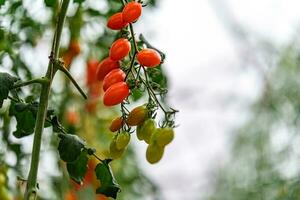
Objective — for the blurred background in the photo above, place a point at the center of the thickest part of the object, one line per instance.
(233, 72)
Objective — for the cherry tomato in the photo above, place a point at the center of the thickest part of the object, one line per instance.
(115, 94)
(146, 130)
(137, 116)
(70, 195)
(163, 136)
(68, 58)
(105, 67)
(132, 11)
(154, 153)
(115, 76)
(91, 71)
(116, 124)
(115, 22)
(122, 140)
(75, 47)
(114, 151)
(119, 49)
(149, 58)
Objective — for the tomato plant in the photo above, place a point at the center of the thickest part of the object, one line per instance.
(126, 73)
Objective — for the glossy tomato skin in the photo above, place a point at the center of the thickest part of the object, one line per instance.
(105, 66)
(119, 49)
(116, 124)
(132, 11)
(115, 76)
(115, 22)
(115, 94)
(149, 58)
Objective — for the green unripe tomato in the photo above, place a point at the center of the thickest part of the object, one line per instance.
(146, 130)
(4, 194)
(154, 153)
(2, 180)
(114, 151)
(122, 140)
(163, 136)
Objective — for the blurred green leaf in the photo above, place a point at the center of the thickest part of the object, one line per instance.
(6, 83)
(78, 168)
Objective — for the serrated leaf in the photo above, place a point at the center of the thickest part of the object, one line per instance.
(6, 83)
(78, 168)
(25, 119)
(70, 147)
(109, 186)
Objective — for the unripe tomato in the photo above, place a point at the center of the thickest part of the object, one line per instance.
(145, 131)
(149, 58)
(132, 11)
(91, 71)
(163, 136)
(116, 124)
(115, 76)
(122, 140)
(114, 151)
(137, 116)
(75, 47)
(154, 153)
(119, 49)
(115, 94)
(115, 22)
(2, 180)
(105, 67)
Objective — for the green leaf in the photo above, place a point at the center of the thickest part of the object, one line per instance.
(79, 1)
(2, 2)
(6, 83)
(70, 147)
(78, 168)
(50, 3)
(109, 186)
(25, 119)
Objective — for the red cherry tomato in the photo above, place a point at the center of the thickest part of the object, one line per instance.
(149, 58)
(132, 11)
(115, 94)
(115, 22)
(119, 49)
(105, 67)
(91, 71)
(115, 76)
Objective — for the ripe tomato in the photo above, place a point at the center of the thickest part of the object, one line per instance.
(115, 94)
(122, 140)
(154, 153)
(132, 11)
(115, 22)
(115, 76)
(91, 71)
(119, 49)
(149, 58)
(68, 58)
(75, 47)
(116, 124)
(137, 116)
(105, 67)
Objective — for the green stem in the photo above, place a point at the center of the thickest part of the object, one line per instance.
(38, 80)
(31, 187)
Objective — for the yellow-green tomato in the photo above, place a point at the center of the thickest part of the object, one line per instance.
(154, 153)
(122, 140)
(163, 136)
(114, 151)
(2, 180)
(146, 130)
(4, 194)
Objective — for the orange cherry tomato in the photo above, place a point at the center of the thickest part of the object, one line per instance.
(119, 49)
(91, 71)
(105, 67)
(115, 22)
(68, 58)
(116, 124)
(75, 47)
(72, 117)
(131, 12)
(115, 76)
(70, 195)
(115, 94)
(149, 58)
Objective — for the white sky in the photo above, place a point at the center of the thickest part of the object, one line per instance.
(209, 85)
